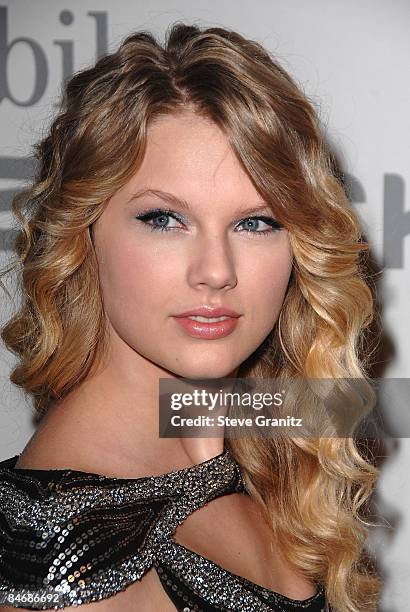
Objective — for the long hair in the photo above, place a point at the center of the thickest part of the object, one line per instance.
(313, 492)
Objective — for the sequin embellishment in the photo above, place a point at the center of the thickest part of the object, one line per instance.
(69, 537)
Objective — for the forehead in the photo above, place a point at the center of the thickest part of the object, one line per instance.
(191, 156)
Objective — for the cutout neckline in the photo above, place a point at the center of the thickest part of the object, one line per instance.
(9, 464)
(259, 587)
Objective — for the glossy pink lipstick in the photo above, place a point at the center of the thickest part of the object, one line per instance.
(195, 324)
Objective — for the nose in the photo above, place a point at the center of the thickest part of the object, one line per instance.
(212, 263)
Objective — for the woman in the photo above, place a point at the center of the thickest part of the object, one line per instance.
(189, 177)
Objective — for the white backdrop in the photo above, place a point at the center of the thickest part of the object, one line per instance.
(351, 57)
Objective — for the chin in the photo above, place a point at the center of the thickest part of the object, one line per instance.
(205, 371)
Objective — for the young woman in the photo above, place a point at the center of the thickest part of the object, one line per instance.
(190, 179)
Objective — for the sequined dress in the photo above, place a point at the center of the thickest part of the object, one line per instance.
(69, 537)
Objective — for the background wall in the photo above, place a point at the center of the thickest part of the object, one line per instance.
(350, 57)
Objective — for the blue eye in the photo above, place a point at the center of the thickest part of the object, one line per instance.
(159, 215)
(158, 219)
(274, 225)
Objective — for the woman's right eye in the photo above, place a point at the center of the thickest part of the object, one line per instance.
(158, 219)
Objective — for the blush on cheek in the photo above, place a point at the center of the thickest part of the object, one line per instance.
(141, 279)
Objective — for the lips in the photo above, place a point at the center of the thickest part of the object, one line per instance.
(209, 311)
(208, 330)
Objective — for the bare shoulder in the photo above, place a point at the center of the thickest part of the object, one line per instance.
(62, 441)
(70, 437)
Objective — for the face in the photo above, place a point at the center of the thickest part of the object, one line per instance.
(191, 241)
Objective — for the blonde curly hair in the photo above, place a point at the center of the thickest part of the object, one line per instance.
(314, 492)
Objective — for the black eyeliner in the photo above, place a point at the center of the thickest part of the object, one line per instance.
(269, 220)
(152, 213)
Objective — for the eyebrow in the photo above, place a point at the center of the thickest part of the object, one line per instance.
(173, 199)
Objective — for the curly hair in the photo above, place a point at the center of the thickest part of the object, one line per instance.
(314, 492)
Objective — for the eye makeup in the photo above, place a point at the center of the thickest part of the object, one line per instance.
(150, 215)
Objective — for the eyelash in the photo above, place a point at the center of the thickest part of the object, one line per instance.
(158, 212)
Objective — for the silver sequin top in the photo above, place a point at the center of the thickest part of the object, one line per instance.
(69, 537)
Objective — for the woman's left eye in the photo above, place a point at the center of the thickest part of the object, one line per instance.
(251, 222)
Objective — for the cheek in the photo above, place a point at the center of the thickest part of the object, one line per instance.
(267, 280)
(135, 279)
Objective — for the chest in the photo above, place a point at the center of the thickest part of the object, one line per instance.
(231, 532)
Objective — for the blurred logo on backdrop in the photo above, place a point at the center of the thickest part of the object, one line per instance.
(19, 170)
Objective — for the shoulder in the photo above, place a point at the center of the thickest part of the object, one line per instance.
(66, 439)
(61, 441)
(69, 437)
